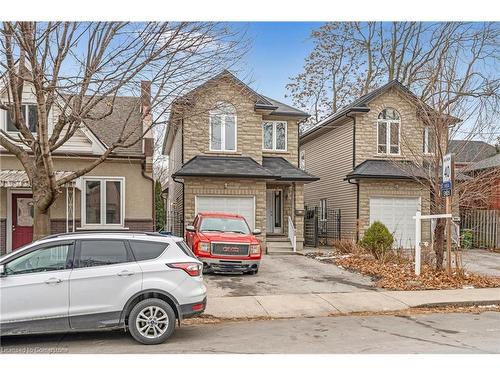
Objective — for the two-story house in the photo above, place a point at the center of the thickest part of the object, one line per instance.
(117, 194)
(233, 150)
(364, 155)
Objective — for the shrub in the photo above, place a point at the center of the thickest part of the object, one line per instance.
(467, 239)
(377, 240)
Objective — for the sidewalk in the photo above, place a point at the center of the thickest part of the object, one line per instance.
(315, 305)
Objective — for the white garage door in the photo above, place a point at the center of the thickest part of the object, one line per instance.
(244, 206)
(397, 214)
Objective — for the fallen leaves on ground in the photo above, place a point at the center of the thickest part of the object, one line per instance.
(398, 273)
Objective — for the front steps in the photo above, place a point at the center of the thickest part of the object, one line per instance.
(278, 245)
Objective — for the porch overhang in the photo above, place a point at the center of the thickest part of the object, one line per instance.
(14, 178)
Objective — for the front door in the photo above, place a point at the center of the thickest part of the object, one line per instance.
(274, 211)
(22, 220)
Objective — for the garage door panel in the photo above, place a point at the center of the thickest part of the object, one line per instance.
(397, 214)
(244, 206)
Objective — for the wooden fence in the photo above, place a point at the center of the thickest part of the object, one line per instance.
(484, 225)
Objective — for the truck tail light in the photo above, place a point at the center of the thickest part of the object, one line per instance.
(203, 247)
(254, 249)
(192, 269)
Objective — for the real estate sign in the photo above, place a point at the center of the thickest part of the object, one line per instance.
(448, 176)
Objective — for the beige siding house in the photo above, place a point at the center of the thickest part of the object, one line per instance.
(367, 156)
(117, 194)
(231, 149)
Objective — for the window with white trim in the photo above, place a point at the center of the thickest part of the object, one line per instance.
(223, 128)
(388, 132)
(274, 135)
(302, 160)
(322, 209)
(103, 202)
(30, 115)
(428, 141)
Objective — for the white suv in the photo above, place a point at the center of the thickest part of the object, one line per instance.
(101, 280)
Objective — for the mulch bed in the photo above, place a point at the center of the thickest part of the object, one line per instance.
(397, 273)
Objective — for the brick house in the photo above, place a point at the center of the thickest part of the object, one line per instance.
(366, 169)
(231, 149)
(117, 194)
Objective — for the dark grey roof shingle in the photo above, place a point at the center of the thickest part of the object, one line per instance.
(273, 168)
(467, 151)
(491, 162)
(285, 109)
(285, 170)
(386, 169)
(223, 166)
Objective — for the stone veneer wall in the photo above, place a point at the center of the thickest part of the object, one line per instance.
(221, 186)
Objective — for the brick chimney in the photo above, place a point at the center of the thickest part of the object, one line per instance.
(147, 119)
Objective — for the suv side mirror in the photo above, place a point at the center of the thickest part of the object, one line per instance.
(190, 228)
(2, 271)
(256, 231)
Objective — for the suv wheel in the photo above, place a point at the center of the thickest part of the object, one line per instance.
(151, 321)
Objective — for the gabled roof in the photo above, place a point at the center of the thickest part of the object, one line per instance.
(262, 102)
(360, 105)
(468, 151)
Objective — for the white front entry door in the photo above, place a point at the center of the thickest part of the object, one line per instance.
(274, 211)
(244, 206)
(396, 213)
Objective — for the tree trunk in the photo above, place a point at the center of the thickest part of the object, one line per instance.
(41, 223)
(439, 243)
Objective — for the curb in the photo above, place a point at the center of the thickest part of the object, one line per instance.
(459, 304)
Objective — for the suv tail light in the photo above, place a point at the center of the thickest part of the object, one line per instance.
(192, 269)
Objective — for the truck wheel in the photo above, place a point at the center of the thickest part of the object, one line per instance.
(151, 321)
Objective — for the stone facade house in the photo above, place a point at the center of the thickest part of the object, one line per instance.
(117, 194)
(364, 155)
(233, 150)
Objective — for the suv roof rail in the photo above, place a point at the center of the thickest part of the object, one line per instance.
(104, 231)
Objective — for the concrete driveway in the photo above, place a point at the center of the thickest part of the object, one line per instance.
(288, 274)
(481, 261)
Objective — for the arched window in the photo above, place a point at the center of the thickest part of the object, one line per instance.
(388, 132)
(223, 128)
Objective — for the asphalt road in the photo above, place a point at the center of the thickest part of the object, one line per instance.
(433, 333)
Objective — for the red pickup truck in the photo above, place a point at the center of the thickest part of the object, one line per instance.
(224, 243)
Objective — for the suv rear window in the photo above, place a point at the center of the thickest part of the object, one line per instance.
(143, 250)
(185, 249)
(99, 253)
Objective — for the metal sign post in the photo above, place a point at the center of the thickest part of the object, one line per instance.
(448, 180)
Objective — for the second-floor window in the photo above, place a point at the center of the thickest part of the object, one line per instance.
(30, 115)
(388, 131)
(274, 135)
(302, 161)
(223, 128)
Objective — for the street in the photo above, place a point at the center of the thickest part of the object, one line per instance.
(425, 333)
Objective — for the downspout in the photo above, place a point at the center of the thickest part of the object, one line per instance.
(353, 167)
(153, 205)
(180, 182)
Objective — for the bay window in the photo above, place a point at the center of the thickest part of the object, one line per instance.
(274, 135)
(388, 132)
(103, 202)
(223, 128)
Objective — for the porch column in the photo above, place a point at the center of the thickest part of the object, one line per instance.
(298, 197)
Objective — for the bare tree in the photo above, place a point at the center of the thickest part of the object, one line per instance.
(77, 70)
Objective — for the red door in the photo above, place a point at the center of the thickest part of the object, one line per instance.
(22, 220)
